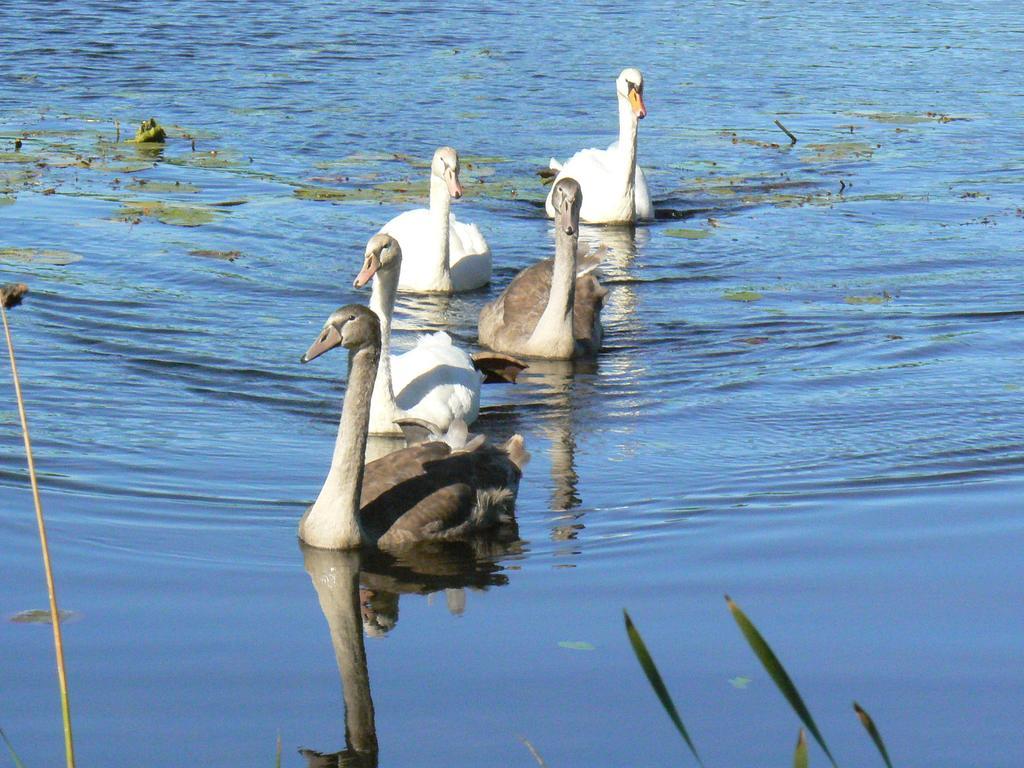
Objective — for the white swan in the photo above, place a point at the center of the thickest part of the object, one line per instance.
(614, 186)
(442, 255)
(435, 381)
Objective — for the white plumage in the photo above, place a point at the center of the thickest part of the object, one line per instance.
(613, 184)
(440, 254)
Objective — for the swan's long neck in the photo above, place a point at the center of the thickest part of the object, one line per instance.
(440, 205)
(333, 520)
(383, 408)
(627, 143)
(335, 577)
(554, 329)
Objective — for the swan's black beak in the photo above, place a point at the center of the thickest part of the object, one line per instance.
(329, 338)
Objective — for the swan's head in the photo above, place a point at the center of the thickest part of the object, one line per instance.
(445, 166)
(383, 254)
(630, 86)
(352, 326)
(567, 197)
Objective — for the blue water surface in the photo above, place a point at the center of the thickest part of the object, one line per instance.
(810, 396)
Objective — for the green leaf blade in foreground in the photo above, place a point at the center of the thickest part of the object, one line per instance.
(777, 673)
(869, 726)
(10, 748)
(800, 754)
(654, 678)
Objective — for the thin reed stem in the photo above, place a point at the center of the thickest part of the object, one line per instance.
(58, 643)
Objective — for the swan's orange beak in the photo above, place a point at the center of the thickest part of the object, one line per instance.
(329, 338)
(636, 101)
(370, 267)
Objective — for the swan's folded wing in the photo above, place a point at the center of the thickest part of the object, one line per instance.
(642, 196)
(430, 492)
(519, 307)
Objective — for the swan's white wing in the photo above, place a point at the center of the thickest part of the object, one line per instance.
(596, 171)
(436, 381)
(469, 256)
(644, 204)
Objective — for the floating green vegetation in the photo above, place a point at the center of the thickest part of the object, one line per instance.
(407, 191)
(118, 167)
(166, 213)
(742, 296)
(13, 181)
(330, 193)
(41, 616)
(7, 199)
(17, 157)
(839, 151)
(212, 159)
(150, 132)
(737, 139)
(161, 187)
(882, 299)
(211, 254)
(688, 234)
(38, 256)
(910, 118)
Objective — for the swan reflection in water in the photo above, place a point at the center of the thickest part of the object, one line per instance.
(359, 591)
(552, 400)
(620, 244)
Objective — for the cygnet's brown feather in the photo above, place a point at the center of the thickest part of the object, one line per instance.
(511, 319)
(430, 492)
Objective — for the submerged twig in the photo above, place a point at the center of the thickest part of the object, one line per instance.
(785, 130)
(10, 295)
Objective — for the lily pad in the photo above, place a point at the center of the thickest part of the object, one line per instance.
(742, 296)
(329, 193)
(42, 616)
(689, 234)
(211, 159)
(576, 645)
(160, 187)
(38, 256)
(839, 151)
(128, 166)
(869, 299)
(17, 157)
(176, 215)
(904, 118)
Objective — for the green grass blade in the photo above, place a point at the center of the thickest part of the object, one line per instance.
(777, 673)
(654, 678)
(277, 762)
(800, 755)
(10, 748)
(869, 726)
